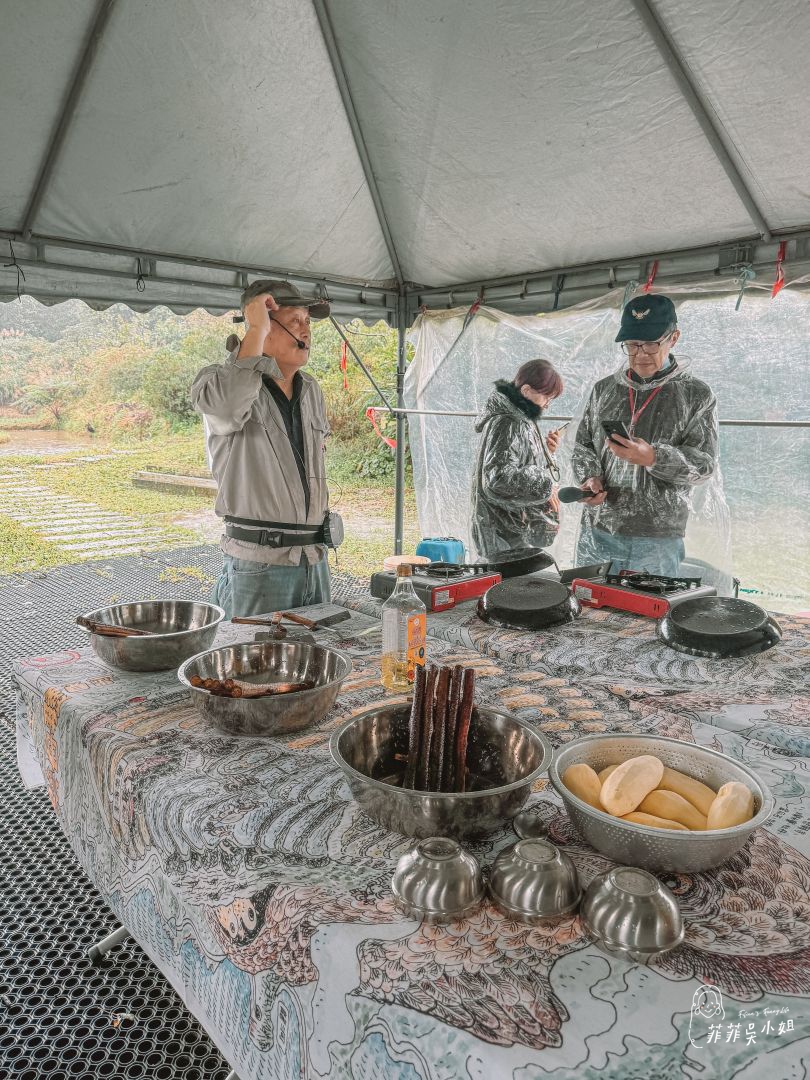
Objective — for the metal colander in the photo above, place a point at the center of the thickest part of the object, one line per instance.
(641, 845)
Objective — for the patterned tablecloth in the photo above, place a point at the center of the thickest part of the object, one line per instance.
(604, 645)
(249, 876)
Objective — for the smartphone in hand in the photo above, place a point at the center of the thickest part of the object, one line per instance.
(615, 427)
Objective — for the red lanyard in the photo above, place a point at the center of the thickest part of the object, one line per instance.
(631, 394)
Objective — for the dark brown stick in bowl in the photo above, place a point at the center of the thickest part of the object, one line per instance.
(463, 729)
(449, 762)
(415, 726)
(439, 725)
(110, 629)
(426, 741)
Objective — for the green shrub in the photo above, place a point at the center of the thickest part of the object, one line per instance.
(167, 385)
(376, 464)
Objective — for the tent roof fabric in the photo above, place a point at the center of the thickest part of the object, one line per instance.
(500, 139)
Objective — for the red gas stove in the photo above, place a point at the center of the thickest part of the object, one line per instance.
(440, 586)
(638, 592)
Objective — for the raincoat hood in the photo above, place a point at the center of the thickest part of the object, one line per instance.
(507, 400)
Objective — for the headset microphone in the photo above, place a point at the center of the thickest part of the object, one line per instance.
(301, 344)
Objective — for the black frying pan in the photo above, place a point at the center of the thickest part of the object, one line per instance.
(529, 603)
(516, 562)
(718, 627)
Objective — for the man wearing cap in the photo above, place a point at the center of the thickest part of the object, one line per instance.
(642, 485)
(267, 430)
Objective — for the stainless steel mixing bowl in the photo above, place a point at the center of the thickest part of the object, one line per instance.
(530, 825)
(630, 913)
(641, 845)
(504, 756)
(268, 662)
(533, 881)
(177, 629)
(437, 881)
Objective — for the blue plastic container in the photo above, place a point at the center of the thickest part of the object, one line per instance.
(441, 549)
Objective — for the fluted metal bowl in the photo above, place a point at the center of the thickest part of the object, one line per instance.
(437, 881)
(643, 845)
(267, 662)
(504, 756)
(533, 881)
(630, 913)
(177, 629)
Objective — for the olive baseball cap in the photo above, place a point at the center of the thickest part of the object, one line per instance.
(286, 294)
(647, 318)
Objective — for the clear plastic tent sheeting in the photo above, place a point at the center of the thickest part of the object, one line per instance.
(751, 521)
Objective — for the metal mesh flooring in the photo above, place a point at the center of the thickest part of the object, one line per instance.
(38, 610)
(60, 1015)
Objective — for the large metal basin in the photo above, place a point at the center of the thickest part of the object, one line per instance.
(267, 662)
(504, 755)
(177, 629)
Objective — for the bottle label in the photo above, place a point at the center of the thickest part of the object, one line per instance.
(417, 636)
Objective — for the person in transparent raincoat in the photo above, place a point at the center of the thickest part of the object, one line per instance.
(514, 502)
(642, 485)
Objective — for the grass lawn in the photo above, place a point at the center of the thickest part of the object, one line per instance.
(367, 505)
(23, 549)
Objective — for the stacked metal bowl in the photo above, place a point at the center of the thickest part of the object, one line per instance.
(627, 911)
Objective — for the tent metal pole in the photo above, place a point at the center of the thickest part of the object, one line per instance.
(100, 19)
(631, 262)
(374, 288)
(158, 279)
(700, 109)
(526, 279)
(556, 419)
(332, 49)
(401, 415)
(360, 363)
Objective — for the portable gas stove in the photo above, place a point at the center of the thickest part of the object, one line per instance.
(440, 585)
(638, 592)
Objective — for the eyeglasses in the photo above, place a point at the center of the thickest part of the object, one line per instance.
(649, 348)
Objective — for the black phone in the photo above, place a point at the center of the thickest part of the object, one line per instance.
(615, 427)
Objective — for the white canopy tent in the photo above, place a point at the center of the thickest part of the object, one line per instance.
(426, 152)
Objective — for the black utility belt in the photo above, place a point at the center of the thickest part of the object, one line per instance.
(280, 534)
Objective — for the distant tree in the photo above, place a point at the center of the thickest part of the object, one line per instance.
(52, 398)
(11, 382)
(114, 373)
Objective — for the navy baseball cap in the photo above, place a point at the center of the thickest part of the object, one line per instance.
(647, 318)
